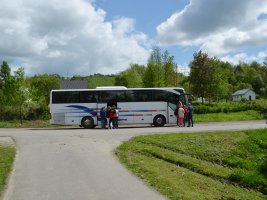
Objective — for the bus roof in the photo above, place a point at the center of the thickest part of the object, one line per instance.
(179, 89)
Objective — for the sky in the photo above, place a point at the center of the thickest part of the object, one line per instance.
(83, 37)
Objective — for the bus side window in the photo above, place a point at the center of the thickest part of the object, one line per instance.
(160, 95)
(88, 97)
(129, 96)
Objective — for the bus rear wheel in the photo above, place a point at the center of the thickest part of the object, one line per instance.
(87, 122)
(159, 120)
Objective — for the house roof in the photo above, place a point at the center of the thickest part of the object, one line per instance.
(73, 84)
(241, 92)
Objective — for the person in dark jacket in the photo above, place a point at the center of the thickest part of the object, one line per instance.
(190, 115)
(103, 117)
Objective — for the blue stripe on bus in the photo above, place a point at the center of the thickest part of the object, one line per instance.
(94, 111)
(85, 109)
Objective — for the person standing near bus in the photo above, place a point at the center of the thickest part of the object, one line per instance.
(108, 116)
(185, 114)
(112, 116)
(116, 119)
(180, 116)
(190, 115)
(103, 117)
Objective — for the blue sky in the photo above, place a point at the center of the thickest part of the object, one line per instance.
(148, 14)
(82, 37)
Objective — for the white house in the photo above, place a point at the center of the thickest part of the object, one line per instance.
(247, 94)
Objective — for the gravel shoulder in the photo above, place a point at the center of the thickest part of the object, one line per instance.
(6, 141)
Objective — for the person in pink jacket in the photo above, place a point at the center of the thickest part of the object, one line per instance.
(181, 116)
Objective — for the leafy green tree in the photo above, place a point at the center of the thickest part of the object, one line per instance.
(40, 87)
(5, 73)
(256, 74)
(169, 70)
(13, 90)
(132, 77)
(202, 75)
(101, 80)
(149, 79)
(264, 74)
(7, 84)
(223, 73)
(251, 76)
(78, 77)
(160, 71)
(21, 93)
(154, 74)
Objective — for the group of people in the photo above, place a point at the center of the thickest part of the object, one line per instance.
(184, 115)
(109, 117)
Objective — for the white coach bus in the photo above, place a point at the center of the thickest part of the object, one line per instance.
(136, 105)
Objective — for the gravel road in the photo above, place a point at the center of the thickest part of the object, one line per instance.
(79, 164)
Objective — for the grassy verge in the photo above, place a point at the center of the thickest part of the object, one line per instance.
(217, 165)
(25, 124)
(7, 156)
(222, 117)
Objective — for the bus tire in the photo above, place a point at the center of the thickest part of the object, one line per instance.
(159, 120)
(87, 122)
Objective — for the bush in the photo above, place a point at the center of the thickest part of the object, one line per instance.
(8, 113)
(263, 111)
(29, 111)
(226, 107)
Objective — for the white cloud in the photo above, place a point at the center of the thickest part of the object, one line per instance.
(218, 27)
(70, 37)
(243, 57)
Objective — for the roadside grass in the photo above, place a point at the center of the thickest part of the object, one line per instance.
(25, 124)
(223, 117)
(213, 165)
(7, 156)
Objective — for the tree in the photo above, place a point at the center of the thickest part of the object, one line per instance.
(40, 87)
(5, 73)
(21, 93)
(202, 75)
(223, 73)
(154, 76)
(160, 71)
(132, 77)
(149, 79)
(13, 90)
(169, 70)
(6, 84)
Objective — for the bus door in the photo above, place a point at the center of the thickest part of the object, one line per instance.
(186, 98)
(172, 119)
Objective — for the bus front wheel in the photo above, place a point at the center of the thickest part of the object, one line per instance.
(87, 122)
(159, 120)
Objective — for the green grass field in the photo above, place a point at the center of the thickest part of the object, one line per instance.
(7, 156)
(25, 124)
(223, 117)
(214, 165)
